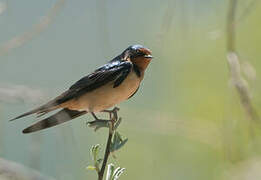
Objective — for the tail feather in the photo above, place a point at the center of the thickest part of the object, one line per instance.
(58, 118)
(50, 106)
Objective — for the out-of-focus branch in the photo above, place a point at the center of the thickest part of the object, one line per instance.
(167, 20)
(13, 171)
(234, 63)
(3, 7)
(102, 26)
(231, 25)
(241, 85)
(36, 29)
(12, 93)
(248, 9)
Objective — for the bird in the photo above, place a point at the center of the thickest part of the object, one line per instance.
(114, 82)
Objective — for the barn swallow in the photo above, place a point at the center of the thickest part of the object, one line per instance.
(112, 83)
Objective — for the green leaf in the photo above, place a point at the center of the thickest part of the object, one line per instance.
(121, 144)
(94, 154)
(110, 172)
(92, 168)
(99, 161)
(117, 173)
(117, 142)
(95, 151)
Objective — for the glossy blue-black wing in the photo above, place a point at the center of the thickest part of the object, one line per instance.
(116, 71)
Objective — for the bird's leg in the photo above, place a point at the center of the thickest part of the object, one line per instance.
(95, 117)
(98, 123)
(114, 119)
(113, 112)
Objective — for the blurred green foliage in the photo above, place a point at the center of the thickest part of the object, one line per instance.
(186, 121)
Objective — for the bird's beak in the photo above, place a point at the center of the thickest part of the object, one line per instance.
(148, 56)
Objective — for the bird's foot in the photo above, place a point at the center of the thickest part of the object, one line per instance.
(113, 113)
(99, 123)
(112, 123)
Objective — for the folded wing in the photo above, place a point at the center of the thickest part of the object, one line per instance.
(116, 70)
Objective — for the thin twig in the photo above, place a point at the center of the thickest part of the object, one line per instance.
(111, 124)
(106, 155)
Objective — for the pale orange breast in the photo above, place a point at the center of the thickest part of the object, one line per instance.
(106, 96)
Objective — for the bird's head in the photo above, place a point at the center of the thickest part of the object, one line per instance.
(138, 55)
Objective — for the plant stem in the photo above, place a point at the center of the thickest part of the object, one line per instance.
(112, 124)
(231, 25)
(107, 150)
(234, 63)
(107, 153)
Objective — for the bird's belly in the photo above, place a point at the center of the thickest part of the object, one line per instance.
(106, 96)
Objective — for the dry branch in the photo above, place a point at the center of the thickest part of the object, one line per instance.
(234, 63)
(19, 40)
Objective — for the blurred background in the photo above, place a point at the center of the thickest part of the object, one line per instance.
(186, 122)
